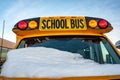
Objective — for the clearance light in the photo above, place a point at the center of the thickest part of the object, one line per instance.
(92, 23)
(32, 24)
(102, 24)
(22, 25)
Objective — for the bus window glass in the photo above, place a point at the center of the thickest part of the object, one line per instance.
(90, 47)
(22, 44)
(105, 54)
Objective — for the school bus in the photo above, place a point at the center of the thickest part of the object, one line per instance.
(76, 34)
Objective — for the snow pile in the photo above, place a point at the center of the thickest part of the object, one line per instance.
(48, 62)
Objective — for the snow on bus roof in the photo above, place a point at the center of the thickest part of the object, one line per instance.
(48, 62)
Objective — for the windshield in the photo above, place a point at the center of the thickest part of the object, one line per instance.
(90, 47)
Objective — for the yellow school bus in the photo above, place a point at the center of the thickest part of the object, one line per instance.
(76, 34)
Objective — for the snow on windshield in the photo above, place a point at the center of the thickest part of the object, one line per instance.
(48, 62)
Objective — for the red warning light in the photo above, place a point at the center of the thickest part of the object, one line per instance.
(102, 24)
(22, 25)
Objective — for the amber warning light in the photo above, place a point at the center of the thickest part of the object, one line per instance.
(32, 24)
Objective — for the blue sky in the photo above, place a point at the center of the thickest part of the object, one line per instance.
(14, 10)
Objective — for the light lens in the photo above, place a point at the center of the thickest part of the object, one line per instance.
(32, 24)
(22, 25)
(102, 24)
(92, 23)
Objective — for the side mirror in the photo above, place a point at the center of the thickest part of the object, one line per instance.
(117, 44)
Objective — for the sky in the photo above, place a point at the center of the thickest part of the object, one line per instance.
(13, 11)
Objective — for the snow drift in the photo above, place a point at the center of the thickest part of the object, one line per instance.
(48, 62)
